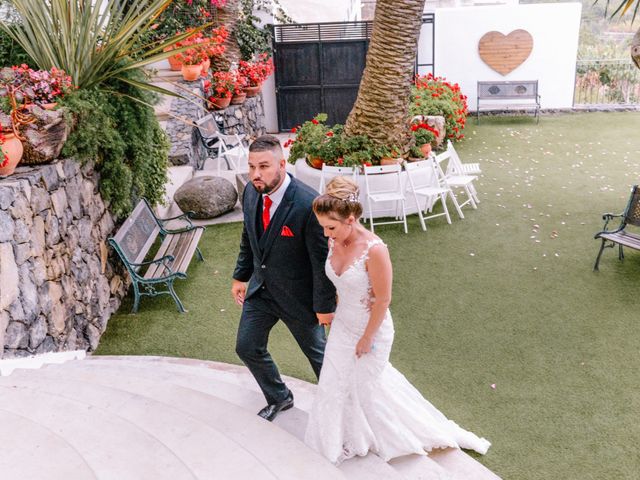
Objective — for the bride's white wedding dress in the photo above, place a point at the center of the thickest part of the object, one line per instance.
(364, 404)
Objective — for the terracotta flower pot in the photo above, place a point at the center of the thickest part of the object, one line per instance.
(220, 103)
(174, 63)
(238, 99)
(252, 91)
(49, 106)
(425, 149)
(390, 161)
(205, 67)
(315, 162)
(191, 72)
(12, 147)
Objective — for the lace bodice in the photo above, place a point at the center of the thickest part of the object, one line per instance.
(355, 296)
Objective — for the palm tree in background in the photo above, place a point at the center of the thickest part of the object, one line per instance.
(382, 107)
(624, 7)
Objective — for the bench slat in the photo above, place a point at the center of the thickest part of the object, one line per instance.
(190, 250)
(158, 270)
(627, 239)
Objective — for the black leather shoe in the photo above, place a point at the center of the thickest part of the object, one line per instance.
(270, 411)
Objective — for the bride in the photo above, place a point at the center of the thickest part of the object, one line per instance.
(362, 403)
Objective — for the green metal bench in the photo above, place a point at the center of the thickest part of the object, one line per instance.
(135, 238)
(620, 236)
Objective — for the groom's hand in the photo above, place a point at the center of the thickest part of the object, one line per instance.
(238, 291)
(325, 318)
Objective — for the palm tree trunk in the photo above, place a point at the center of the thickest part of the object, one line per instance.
(381, 109)
(228, 16)
(635, 49)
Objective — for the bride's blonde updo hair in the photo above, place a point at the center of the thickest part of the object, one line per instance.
(339, 200)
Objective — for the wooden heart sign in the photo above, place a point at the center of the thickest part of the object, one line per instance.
(505, 53)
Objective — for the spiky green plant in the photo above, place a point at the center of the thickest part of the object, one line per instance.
(94, 41)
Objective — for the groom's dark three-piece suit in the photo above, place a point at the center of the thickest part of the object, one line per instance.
(284, 266)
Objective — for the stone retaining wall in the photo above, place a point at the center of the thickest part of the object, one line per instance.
(245, 119)
(57, 290)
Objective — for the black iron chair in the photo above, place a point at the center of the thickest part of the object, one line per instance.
(620, 236)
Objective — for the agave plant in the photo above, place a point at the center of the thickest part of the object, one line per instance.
(94, 41)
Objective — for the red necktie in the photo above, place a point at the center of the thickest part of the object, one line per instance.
(266, 218)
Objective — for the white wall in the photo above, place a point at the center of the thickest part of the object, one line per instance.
(554, 28)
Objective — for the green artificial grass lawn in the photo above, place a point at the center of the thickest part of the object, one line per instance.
(491, 299)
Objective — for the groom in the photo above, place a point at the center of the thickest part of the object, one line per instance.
(282, 256)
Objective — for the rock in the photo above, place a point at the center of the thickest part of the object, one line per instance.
(22, 252)
(207, 197)
(59, 201)
(38, 332)
(16, 336)
(7, 197)
(40, 200)
(51, 292)
(4, 322)
(93, 336)
(6, 226)
(45, 137)
(20, 207)
(38, 237)
(29, 294)
(8, 276)
(57, 319)
(22, 232)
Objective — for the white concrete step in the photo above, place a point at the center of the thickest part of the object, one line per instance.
(27, 446)
(244, 393)
(189, 424)
(457, 464)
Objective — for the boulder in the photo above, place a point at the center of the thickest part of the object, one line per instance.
(206, 196)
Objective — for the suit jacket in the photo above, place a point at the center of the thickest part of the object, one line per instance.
(290, 268)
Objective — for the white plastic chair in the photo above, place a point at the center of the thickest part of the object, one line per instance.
(328, 172)
(229, 147)
(454, 181)
(422, 181)
(394, 192)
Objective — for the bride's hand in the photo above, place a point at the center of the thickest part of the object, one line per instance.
(364, 345)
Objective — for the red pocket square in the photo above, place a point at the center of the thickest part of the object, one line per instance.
(286, 232)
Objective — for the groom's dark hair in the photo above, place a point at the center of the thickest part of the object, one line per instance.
(267, 143)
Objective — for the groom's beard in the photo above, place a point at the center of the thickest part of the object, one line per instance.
(269, 187)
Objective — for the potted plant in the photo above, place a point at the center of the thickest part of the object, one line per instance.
(191, 60)
(309, 141)
(425, 136)
(239, 95)
(10, 152)
(214, 48)
(220, 89)
(256, 73)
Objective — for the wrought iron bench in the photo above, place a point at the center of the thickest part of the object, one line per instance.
(134, 240)
(620, 236)
(508, 95)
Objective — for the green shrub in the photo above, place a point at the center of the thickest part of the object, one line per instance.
(11, 53)
(124, 137)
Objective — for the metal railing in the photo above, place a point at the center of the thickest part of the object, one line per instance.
(607, 82)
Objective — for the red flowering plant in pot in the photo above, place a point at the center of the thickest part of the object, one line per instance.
(219, 90)
(436, 96)
(425, 137)
(255, 73)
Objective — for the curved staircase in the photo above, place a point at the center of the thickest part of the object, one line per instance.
(159, 418)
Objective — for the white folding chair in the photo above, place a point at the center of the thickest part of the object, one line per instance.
(328, 172)
(454, 181)
(389, 189)
(422, 181)
(229, 147)
(459, 168)
(456, 167)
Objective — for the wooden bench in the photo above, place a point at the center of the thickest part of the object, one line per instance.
(508, 95)
(620, 236)
(135, 238)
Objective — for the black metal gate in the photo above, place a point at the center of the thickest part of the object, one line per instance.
(318, 67)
